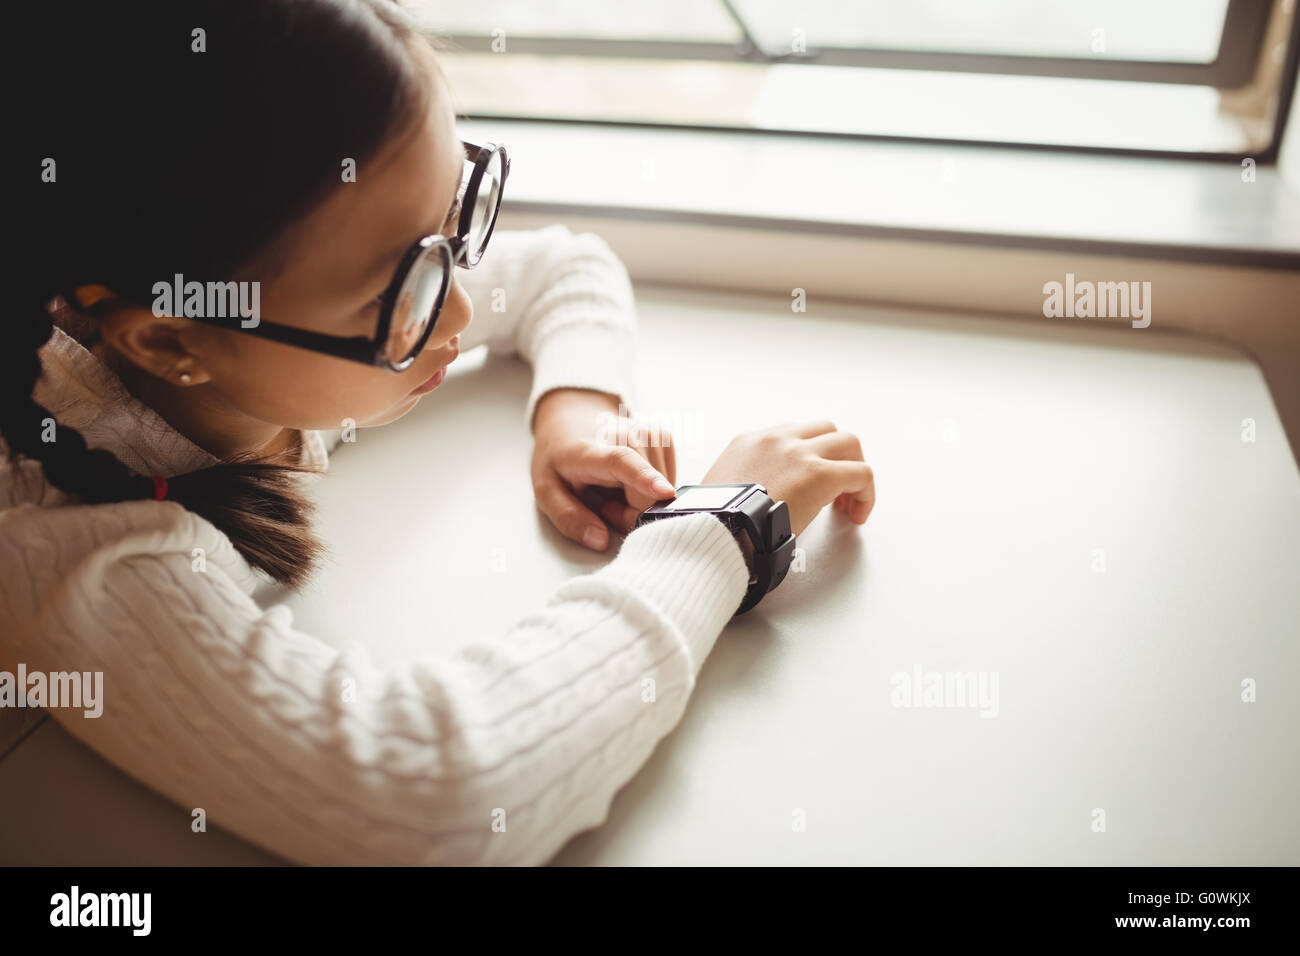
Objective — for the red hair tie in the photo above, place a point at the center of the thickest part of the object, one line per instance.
(159, 487)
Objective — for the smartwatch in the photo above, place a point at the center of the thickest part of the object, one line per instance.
(745, 509)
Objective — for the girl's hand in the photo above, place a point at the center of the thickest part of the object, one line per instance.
(583, 460)
(808, 465)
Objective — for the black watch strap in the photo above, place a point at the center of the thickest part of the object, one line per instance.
(770, 567)
(772, 556)
(748, 510)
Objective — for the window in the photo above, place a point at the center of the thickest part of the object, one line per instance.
(1176, 76)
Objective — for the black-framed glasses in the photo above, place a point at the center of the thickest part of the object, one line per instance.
(414, 298)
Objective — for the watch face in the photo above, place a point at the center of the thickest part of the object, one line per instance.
(705, 496)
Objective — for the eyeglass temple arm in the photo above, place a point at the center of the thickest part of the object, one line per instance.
(359, 348)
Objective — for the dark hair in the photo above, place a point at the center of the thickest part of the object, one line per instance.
(171, 159)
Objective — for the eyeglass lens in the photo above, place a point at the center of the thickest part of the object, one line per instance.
(485, 207)
(425, 282)
(414, 309)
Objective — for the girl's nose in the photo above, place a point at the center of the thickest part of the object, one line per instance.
(457, 312)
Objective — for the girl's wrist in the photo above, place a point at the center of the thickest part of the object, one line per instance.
(566, 400)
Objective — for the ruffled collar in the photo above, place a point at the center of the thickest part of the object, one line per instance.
(82, 392)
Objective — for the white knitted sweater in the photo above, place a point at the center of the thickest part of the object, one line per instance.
(498, 755)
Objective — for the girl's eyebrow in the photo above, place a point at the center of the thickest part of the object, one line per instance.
(388, 262)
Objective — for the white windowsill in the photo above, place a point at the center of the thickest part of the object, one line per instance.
(1197, 211)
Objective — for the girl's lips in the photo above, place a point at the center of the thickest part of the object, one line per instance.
(432, 383)
(435, 379)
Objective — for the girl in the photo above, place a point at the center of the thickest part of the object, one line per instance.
(297, 162)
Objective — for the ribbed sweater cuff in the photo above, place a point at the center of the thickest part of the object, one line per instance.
(691, 568)
(594, 356)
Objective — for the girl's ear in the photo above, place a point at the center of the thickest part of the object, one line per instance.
(155, 343)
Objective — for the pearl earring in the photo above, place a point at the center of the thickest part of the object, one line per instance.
(185, 378)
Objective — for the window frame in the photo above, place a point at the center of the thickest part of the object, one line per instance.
(1226, 68)
(1244, 26)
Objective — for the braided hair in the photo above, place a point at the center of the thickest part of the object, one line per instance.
(281, 90)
